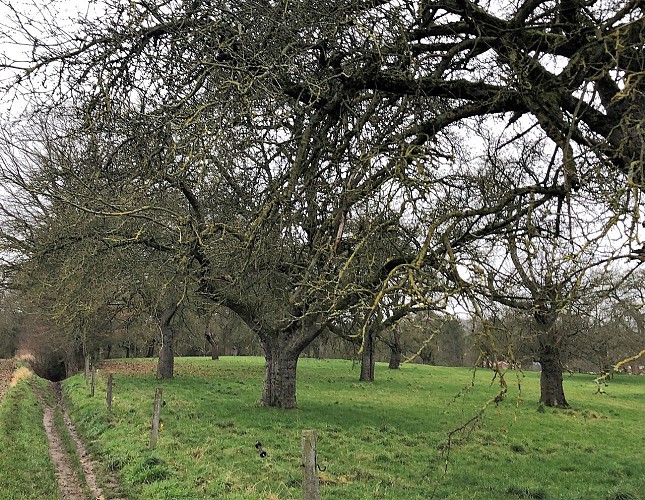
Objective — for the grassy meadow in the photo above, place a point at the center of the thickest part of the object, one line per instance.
(380, 440)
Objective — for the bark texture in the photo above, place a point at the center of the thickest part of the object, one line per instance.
(551, 389)
(166, 363)
(282, 348)
(279, 387)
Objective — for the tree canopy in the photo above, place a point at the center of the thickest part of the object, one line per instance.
(292, 161)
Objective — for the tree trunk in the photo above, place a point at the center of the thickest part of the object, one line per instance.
(213, 344)
(367, 357)
(282, 350)
(426, 354)
(166, 363)
(551, 390)
(395, 357)
(282, 347)
(279, 388)
(395, 353)
(151, 348)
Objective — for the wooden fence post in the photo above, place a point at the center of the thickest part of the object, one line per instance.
(310, 483)
(87, 370)
(156, 414)
(108, 397)
(93, 382)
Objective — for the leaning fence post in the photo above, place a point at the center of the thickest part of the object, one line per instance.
(310, 483)
(108, 397)
(156, 413)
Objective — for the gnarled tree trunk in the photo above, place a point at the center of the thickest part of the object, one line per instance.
(279, 387)
(551, 389)
(166, 363)
(282, 350)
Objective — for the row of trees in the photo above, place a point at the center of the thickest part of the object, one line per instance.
(593, 335)
(309, 166)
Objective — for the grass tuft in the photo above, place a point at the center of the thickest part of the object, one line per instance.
(623, 496)
(526, 493)
(149, 470)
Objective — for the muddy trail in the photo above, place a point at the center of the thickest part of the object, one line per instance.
(75, 472)
(72, 486)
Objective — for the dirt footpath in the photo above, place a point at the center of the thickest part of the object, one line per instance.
(72, 487)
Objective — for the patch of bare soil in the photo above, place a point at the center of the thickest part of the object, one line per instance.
(7, 367)
(129, 368)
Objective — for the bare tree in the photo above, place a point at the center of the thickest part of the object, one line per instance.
(614, 324)
(237, 143)
(547, 276)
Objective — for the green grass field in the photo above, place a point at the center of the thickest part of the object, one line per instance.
(380, 440)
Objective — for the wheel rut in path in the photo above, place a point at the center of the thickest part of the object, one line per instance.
(70, 484)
